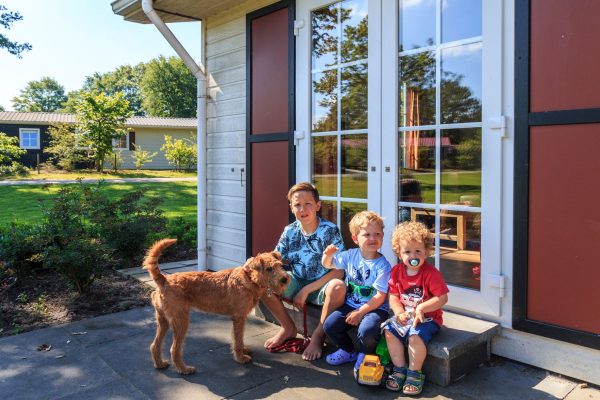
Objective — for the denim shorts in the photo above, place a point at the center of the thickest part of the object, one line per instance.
(424, 330)
(317, 297)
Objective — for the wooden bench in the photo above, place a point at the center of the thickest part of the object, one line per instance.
(462, 345)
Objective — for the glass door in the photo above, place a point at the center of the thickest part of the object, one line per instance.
(335, 93)
(444, 164)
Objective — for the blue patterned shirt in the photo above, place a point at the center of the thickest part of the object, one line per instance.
(304, 252)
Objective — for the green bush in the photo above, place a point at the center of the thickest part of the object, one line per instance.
(126, 225)
(185, 231)
(21, 248)
(80, 260)
(180, 153)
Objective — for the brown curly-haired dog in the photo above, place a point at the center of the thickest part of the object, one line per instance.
(233, 292)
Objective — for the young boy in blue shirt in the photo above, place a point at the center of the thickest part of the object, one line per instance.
(367, 275)
(301, 245)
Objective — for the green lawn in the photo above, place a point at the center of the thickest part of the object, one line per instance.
(22, 202)
(108, 174)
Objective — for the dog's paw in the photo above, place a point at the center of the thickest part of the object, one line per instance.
(186, 370)
(161, 365)
(243, 359)
(247, 351)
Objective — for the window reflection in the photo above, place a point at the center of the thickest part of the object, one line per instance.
(417, 89)
(324, 101)
(417, 24)
(324, 37)
(417, 163)
(461, 167)
(348, 211)
(325, 165)
(461, 19)
(354, 97)
(461, 84)
(354, 166)
(353, 16)
(460, 248)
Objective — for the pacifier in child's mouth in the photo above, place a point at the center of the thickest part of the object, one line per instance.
(414, 262)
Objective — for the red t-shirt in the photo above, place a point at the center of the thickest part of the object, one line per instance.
(412, 290)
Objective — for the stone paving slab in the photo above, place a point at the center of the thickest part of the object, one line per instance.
(112, 360)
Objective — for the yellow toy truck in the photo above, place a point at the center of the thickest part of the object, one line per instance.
(370, 371)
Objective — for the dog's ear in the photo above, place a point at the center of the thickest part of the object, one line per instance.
(276, 254)
(248, 264)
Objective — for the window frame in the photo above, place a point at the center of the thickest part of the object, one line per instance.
(23, 131)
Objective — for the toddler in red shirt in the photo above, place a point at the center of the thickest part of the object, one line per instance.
(417, 292)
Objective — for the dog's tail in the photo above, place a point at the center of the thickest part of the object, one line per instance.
(151, 260)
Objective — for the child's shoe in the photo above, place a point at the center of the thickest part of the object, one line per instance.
(341, 356)
(359, 360)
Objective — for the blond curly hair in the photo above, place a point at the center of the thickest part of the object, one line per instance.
(362, 219)
(409, 231)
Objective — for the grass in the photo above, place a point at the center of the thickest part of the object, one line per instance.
(107, 174)
(23, 202)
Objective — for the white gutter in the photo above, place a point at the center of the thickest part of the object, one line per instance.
(200, 73)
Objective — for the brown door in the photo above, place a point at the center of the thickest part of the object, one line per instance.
(557, 170)
(270, 123)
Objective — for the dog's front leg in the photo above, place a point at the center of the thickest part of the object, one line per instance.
(179, 324)
(237, 346)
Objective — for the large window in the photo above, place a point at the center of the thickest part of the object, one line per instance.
(339, 52)
(440, 125)
(29, 138)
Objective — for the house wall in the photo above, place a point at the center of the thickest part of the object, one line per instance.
(151, 140)
(226, 129)
(30, 158)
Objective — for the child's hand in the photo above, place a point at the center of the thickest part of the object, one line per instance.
(300, 299)
(330, 250)
(419, 317)
(403, 318)
(353, 318)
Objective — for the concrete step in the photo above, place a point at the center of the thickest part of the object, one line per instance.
(461, 346)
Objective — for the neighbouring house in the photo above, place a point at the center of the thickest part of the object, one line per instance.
(147, 132)
(480, 118)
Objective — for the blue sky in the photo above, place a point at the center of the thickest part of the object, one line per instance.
(72, 39)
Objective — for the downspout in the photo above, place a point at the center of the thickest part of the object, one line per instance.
(200, 74)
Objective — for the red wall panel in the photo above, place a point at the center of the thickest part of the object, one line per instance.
(270, 73)
(565, 54)
(564, 226)
(269, 190)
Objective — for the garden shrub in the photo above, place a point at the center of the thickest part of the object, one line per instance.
(126, 225)
(21, 248)
(185, 231)
(180, 153)
(80, 260)
(141, 156)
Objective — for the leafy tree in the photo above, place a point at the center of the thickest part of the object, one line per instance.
(2, 108)
(45, 95)
(101, 119)
(6, 20)
(125, 79)
(9, 154)
(65, 147)
(180, 153)
(168, 88)
(141, 156)
(9, 149)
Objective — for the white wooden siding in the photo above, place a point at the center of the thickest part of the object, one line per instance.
(226, 141)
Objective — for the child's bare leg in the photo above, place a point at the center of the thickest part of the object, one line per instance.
(335, 294)
(417, 351)
(288, 328)
(395, 348)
